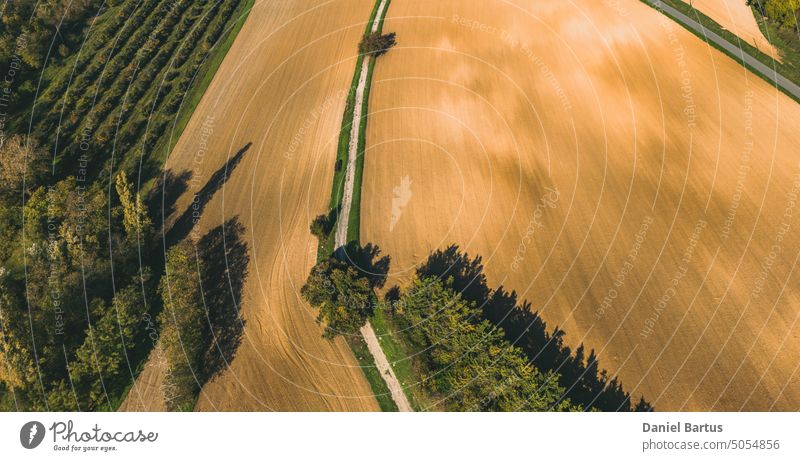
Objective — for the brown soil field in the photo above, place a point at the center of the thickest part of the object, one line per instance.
(281, 87)
(638, 187)
(737, 17)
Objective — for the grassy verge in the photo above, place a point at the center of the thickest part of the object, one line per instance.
(354, 220)
(787, 69)
(347, 122)
(367, 362)
(206, 74)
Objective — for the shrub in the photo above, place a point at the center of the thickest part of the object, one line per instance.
(376, 44)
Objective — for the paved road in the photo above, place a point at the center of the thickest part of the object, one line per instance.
(340, 237)
(754, 63)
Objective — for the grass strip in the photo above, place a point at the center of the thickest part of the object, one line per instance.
(344, 135)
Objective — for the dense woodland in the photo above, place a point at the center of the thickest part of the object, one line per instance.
(90, 95)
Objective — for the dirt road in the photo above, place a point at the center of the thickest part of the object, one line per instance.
(340, 237)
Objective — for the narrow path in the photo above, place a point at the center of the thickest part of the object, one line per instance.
(769, 73)
(382, 363)
(340, 238)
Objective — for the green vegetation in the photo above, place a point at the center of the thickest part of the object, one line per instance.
(376, 44)
(446, 346)
(198, 87)
(466, 363)
(354, 220)
(183, 326)
(56, 319)
(27, 30)
(785, 41)
(400, 357)
(118, 95)
(343, 296)
(782, 13)
(586, 384)
(323, 226)
(79, 258)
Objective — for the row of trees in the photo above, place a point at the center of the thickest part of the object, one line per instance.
(475, 348)
(120, 82)
(72, 331)
(579, 371)
(201, 324)
(183, 326)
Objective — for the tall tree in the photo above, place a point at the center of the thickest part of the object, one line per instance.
(343, 296)
(104, 357)
(135, 218)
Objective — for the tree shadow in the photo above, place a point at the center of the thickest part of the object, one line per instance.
(183, 225)
(585, 383)
(366, 260)
(224, 261)
(165, 194)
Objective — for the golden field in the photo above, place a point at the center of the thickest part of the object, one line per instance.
(637, 186)
(737, 17)
(281, 87)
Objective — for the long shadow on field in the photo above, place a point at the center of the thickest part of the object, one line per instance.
(585, 383)
(224, 260)
(186, 221)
